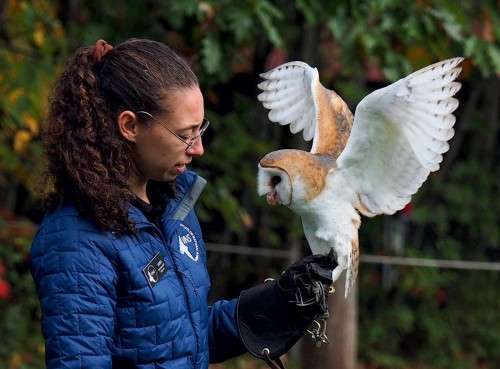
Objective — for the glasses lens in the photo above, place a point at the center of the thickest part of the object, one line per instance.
(204, 126)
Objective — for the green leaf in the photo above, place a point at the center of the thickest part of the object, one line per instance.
(450, 24)
(310, 8)
(470, 46)
(267, 14)
(240, 22)
(494, 53)
(211, 54)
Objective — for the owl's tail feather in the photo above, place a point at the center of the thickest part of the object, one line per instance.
(352, 267)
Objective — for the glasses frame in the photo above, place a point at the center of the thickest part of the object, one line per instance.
(191, 141)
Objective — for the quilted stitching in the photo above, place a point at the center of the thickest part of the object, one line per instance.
(100, 312)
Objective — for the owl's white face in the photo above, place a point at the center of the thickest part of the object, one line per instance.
(275, 184)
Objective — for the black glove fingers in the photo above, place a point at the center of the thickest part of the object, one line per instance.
(327, 261)
(317, 272)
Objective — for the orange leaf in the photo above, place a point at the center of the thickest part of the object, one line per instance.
(16, 360)
(39, 35)
(31, 123)
(418, 56)
(246, 219)
(21, 140)
(58, 31)
(482, 27)
(15, 95)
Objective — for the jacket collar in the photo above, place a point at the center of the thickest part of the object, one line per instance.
(184, 186)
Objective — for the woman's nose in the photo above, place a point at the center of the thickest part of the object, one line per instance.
(196, 148)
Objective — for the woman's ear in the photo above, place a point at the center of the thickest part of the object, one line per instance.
(128, 126)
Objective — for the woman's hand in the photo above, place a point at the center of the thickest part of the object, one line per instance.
(273, 316)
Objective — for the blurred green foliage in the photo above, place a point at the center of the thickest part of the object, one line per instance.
(409, 317)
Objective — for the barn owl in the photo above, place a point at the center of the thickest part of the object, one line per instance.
(369, 164)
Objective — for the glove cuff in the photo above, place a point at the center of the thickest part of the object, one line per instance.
(268, 321)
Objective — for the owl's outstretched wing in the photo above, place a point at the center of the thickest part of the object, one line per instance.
(295, 96)
(399, 135)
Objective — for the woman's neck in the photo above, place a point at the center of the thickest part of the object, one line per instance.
(138, 186)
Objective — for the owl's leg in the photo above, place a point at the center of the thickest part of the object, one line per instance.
(336, 273)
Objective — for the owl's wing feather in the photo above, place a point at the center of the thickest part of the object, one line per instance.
(399, 135)
(293, 94)
(288, 93)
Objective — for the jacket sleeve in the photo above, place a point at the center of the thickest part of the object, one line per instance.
(76, 285)
(224, 340)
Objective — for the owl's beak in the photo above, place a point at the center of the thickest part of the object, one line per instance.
(272, 197)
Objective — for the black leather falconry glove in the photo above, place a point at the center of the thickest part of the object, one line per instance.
(273, 316)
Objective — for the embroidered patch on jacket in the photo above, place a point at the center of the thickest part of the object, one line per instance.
(188, 245)
(155, 270)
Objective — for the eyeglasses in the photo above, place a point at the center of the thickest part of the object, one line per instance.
(189, 141)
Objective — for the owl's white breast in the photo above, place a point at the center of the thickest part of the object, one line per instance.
(329, 219)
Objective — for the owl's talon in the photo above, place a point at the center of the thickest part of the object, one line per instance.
(318, 334)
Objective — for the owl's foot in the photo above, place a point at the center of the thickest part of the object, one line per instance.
(318, 333)
(336, 273)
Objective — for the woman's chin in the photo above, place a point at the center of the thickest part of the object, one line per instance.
(170, 174)
(166, 176)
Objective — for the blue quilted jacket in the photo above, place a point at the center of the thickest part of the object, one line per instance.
(133, 301)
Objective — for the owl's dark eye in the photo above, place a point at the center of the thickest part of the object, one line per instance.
(275, 180)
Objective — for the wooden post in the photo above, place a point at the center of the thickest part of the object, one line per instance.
(341, 352)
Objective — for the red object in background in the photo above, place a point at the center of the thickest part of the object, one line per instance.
(373, 72)
(407, 210)
(5, 290)
(2, 270)
(276, 57)
(441, 297)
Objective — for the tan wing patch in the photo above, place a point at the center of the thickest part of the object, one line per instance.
(334, 121)
(296, 163)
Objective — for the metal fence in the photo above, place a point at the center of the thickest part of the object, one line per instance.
(369, 259)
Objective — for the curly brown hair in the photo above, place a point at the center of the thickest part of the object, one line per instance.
(89, 161)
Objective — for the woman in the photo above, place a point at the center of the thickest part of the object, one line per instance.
(119, 261)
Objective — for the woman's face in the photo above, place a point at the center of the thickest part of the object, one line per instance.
(161, 156)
